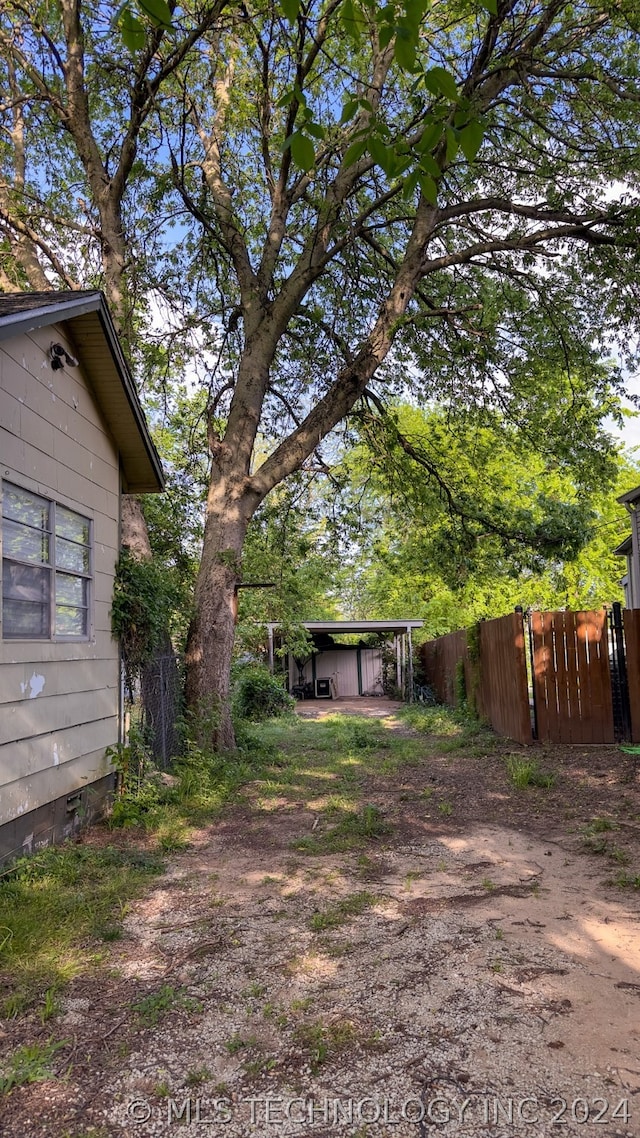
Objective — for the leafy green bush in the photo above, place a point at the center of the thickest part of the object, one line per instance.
(145, 594)
(259, 695)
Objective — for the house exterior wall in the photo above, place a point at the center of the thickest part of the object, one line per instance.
(59, 701)
(633, 563)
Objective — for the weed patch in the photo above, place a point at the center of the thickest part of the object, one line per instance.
(31, 1063)
(321, 1042)
(151, 1009)
(350, 832)
(339, 913)
(626, 880)
(527, 772)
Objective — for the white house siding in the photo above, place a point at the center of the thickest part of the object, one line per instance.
(59, 702)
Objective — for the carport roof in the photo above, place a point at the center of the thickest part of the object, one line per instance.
(335, 627)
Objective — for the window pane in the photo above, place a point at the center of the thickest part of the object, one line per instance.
(25, 582)
(70, 590)
(24, 507)
(25, 620)
(71, 556)
(26, 544)
(70, 621)
(72, 525)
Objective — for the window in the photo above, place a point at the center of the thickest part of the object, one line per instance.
(46, 568)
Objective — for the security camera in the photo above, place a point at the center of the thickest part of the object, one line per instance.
(60, 356)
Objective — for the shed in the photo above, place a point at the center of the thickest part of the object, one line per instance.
(347, 669)
(73, 438)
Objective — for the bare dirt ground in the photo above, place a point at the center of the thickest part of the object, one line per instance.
(473, 972)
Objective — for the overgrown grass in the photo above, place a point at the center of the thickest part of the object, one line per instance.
(451, 729)
(59, 909)
(55, 909)
(527, 772)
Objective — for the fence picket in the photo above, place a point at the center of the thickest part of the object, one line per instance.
(497, 682)
(571, 674)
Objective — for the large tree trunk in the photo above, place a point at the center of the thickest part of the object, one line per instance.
(212, 630)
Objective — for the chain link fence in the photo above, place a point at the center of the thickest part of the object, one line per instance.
(161, 700)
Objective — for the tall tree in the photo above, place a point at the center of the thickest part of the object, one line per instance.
(359, 194)
(464, 517)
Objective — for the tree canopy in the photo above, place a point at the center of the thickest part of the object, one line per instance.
(500, 523)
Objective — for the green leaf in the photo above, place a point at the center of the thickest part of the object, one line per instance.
(158, 12)
(352, 20)
(441, 82)
(453, 144)
(490, 6)
(429, 188)
(349, 109)
(382, 155)
(404, 50)
(385, 35)
(354, 152)
(410, 184)
(429, 165)
(471, 139)
(415, 11)
(431, 136)
(315, 129)
(291, 9)
(133, 32)
(302, 151)
(286, 99)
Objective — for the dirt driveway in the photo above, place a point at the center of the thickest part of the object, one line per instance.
(459, 964)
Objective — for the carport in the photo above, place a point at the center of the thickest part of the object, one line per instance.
(339, 670)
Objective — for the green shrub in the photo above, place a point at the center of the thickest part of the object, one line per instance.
(144, 595)
(259, 695)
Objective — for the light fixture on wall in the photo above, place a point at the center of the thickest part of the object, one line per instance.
(59, 357)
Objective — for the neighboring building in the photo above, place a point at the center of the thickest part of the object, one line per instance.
(339, 670)
(73, 438)
(630, 548)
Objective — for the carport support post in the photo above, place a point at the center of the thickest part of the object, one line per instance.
(270, 633)
(410, 665)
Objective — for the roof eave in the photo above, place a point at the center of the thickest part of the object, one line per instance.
(150, 479)
(630, 497)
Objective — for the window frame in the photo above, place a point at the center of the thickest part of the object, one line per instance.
(51, 567)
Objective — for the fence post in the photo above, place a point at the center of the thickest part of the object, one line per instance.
(619, 677)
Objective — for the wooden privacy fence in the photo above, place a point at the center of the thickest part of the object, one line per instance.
(571, 677)
(560, 677)
(495, 673)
